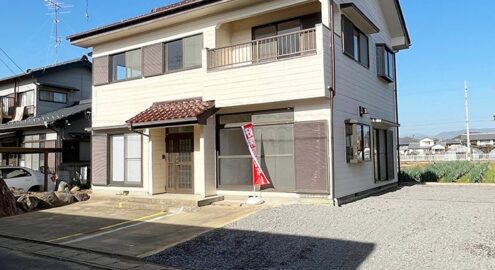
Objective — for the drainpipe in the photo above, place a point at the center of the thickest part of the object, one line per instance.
(397, 119)
(332, 97)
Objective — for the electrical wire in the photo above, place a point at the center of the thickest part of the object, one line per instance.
(12, 60)
(1, 60)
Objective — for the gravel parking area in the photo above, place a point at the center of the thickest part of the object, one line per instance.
(417, 227)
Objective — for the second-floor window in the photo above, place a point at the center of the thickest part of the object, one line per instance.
(52, 96)
(127, 65)
(385, 60)
(355, 42)
(183, 53)
(25, 99)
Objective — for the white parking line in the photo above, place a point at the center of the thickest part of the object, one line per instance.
(87, 237)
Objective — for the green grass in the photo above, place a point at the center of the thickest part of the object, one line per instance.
(449, 172)
(490, 174)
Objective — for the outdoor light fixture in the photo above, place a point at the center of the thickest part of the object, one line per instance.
(362, 111)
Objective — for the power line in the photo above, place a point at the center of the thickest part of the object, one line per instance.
(1, 60)
(12, 60)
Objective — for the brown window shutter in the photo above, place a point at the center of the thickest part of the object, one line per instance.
(101, 70)
(311, 157)
(99, 159)
(348, 33)
(153, 57)
(390, 155)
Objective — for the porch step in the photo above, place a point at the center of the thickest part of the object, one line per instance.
(156, 202)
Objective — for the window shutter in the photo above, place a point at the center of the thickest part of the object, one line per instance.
(311, 156)
(390, 155)
(153, 57)
(348, 32)
(101, 70)
(99, 159)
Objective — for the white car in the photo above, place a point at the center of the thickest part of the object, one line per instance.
(25, 178)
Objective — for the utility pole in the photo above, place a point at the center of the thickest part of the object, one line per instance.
(467, 121)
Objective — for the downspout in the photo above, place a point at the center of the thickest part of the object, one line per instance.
(332, 97)
(397, 119)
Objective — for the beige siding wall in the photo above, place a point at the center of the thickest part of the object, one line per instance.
(159, 169)
(360, 86)
(292, 79)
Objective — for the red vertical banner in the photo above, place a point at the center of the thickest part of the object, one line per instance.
(259, 177)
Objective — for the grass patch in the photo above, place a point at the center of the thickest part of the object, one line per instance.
(490, 174)
(449, 172)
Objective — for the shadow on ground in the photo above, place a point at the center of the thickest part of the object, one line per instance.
(235, 249)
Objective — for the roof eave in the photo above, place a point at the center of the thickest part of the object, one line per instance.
(407, 38)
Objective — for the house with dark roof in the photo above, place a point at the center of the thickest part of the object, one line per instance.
(174, 87)
(48, 107)
(480, 139)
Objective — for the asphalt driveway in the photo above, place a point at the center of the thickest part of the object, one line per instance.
(416, 227)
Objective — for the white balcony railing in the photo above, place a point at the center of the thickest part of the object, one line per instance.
(263, 50)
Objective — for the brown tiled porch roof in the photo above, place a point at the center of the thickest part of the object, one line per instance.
(172, 112)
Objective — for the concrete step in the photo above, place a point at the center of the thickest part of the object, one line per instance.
(164, 201)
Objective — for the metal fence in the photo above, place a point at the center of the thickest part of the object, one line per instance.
(264, 50)
(446, 157)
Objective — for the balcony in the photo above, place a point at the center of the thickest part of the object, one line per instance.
(285, 67)
(280, 47)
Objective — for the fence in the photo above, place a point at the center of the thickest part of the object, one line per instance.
(264, 50)
(446, 157)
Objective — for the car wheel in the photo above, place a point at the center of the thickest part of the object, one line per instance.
(34, 189)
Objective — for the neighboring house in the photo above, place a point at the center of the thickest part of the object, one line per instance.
(173, 87)
(427, 142)
(415, 148)
(480, 139)
(438, 149)
(49, 107)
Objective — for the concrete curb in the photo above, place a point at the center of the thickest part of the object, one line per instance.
(446, 184)
(114, 261)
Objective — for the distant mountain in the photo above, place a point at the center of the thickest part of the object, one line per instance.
(452, 134)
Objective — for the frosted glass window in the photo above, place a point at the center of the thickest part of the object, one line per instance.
(192, 51)
(126, 158)
(133, 145)
(133, 170)
(118, 158)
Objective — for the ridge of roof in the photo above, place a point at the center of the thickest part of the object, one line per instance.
(152, 14)
(34, 72)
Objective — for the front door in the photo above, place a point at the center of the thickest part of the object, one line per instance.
(180, 148)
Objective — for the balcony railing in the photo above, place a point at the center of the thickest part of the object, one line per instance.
(264, 50)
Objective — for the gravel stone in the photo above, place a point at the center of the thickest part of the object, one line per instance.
(417, 227)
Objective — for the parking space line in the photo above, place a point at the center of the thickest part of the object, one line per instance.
(159, 214)
(142, 221)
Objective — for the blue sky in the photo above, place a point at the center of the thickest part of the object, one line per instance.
(452, 42)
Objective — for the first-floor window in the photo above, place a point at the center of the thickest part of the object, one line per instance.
(125, 158)
(274, 134)
(384, 161)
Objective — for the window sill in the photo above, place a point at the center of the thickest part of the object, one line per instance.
(352, 58)
(385, 78)
(124, 80)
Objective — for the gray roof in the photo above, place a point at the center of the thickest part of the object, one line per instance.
(33, 73)
(47, 118)
(415, 145)
(479, 136)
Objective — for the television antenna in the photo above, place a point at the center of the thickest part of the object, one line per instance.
(57, 8)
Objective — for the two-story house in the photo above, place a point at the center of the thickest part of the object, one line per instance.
(173, 87)
(48, 107)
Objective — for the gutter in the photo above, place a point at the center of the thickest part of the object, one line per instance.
(332, 98)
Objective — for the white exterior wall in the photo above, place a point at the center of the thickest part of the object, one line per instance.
(291, 79)
(360, 86)
(301, 83)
